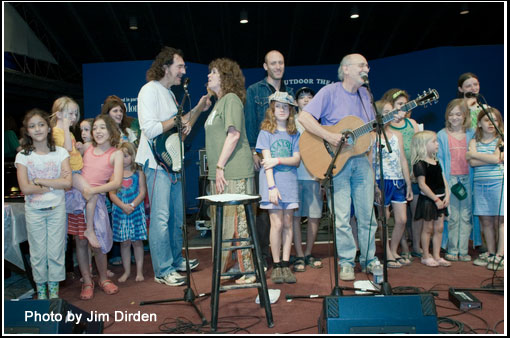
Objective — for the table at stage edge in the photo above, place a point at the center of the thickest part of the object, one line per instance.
(15, 232)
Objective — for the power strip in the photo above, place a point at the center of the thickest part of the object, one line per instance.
(464, 300)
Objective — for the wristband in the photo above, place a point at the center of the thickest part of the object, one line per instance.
(132, 204)
(220, 167)
(272, 187)
(255, 153)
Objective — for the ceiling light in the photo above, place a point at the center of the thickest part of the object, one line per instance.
(354, 12)
(464, 9)
(244, 16)
(133, 23)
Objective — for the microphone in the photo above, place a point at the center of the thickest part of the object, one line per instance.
(185, 84)
(364, 77)
(469, 95)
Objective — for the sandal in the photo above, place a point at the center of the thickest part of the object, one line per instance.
(299, 264)
(408, 256)
(402, 261)
(443, 262)
(87, 291)
(429, 262)
(108, 287)
(393, 264)
(312, 262)
(416, 254)
(246, 280)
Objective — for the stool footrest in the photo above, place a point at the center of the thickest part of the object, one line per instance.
(237, 273)
(230, 248)
(240, 286)
(236, 240)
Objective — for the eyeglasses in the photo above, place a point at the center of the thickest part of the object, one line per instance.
(360, 65)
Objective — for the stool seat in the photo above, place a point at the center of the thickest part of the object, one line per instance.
(220, 201)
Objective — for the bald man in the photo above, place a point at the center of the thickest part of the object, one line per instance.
(254, 111)
(356, 179)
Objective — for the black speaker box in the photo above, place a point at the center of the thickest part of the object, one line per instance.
(393, 314)
(54, 316)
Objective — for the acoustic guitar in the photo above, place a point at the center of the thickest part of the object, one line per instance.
(317, 154)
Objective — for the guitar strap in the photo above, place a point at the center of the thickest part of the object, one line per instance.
(363, 105)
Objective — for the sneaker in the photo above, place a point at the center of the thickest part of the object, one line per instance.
(276, 275)
(288, 276)
(451, 257)
(370, 267)
(495, 263)
(465, 258)
(193, 263)
(482, 259)
(347, 272)
(172, 279)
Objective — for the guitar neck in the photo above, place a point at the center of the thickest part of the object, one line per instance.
(388, 117)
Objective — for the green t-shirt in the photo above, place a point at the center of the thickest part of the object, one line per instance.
(227, 112)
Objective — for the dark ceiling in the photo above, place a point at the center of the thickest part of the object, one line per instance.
(306, 33)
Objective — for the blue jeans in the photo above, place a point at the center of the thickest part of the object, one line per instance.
(459, 220)
(355, 183)
(46, 230)
(165, 234)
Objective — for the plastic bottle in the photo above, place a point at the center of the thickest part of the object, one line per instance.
(377, 271)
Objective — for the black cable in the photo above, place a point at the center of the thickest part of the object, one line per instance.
(496, 325)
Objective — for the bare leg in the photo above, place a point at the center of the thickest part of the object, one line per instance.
(437, 237)
(138, 249)
(82, 255)
(488, 227)
(287, 234)
(500, 225)
(80, 183)
(297, 236)
(400, 216)
(102, 265)
(275, 234)
(90, 234)
(125, 252)
(427, 231)
(417, 227)
(311, 234)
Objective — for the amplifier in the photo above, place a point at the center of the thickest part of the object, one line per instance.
(393, 314)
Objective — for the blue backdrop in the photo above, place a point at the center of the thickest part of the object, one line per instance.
(437, 68)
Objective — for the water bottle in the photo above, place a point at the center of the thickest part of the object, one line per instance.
(377, 271)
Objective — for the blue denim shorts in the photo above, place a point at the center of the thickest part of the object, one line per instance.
(310, 199)
(280, 206)
(394, 191)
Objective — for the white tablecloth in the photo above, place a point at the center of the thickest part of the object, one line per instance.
(15, 232)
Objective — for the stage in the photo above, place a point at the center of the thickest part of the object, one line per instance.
(238, 312)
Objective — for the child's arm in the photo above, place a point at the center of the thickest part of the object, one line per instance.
(274, 194)
(142, 188)
(429, 193)
(405, 168)
(128, 209)
(63, 182)
(26, 186)
(115, 183)
(477, 159)
(446, 200)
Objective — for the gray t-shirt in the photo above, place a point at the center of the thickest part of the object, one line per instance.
(281, 144)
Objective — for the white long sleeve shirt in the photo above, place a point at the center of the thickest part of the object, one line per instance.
(155, 105)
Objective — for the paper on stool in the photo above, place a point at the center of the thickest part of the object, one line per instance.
(274, 294)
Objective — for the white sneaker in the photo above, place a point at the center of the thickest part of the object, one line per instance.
(172, 279)
(370, 267)
(347, 272)
(193, 263)
(482, 259)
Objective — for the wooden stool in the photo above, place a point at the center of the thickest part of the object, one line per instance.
(260, 283)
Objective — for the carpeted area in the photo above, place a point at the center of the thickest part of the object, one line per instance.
(238, 312)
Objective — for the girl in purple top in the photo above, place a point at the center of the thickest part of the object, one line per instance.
(278, 143)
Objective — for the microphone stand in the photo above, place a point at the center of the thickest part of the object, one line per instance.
(189, 295)
(379, 127)
(501, 147)
(337, 291)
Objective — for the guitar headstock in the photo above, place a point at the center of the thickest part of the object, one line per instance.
(428, 97)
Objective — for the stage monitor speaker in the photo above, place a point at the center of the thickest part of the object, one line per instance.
(394, 314)
(54, 316)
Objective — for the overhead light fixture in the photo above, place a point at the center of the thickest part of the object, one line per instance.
(354, 12)
(244, 16)
(464, 9)
(133, 23)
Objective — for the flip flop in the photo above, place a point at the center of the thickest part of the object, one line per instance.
(108, 287)
(393, 264)
(402, 261)
(299, 264)
(310, 261)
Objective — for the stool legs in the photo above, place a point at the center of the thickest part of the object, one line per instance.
(218, 232)
(259, 267)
